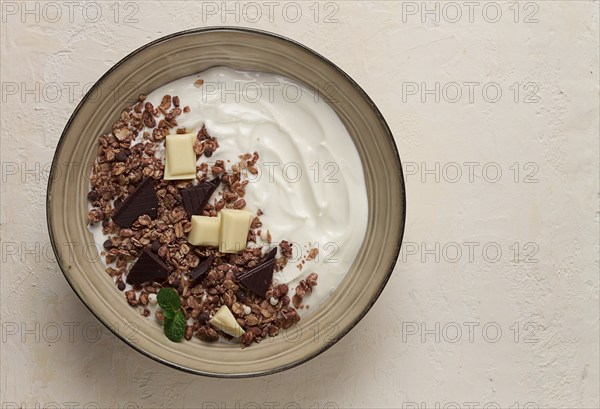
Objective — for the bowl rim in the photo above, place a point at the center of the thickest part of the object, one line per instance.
(363, 94)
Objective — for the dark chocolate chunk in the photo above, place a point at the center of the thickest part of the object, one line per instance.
(195, 198)
(259, 278)
(142, 201)
(240, 295)
(271, 254)
(107, 244)
(147, 269)
(203, 318)
(93, 196)
(201, 270)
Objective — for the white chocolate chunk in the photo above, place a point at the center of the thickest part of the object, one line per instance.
(205, 231)
(234, 230)
(225, 321)
(180, 162)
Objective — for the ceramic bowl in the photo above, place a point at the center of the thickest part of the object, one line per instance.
(190, 52)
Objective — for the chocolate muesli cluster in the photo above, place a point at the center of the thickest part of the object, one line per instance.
(129, 163)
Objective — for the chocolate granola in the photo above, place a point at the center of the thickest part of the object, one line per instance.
(204, 278)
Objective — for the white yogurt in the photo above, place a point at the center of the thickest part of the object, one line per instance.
(310, 184)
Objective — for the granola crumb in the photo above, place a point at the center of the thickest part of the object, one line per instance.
(312, 254)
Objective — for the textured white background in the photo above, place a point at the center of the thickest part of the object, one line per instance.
(407, 350)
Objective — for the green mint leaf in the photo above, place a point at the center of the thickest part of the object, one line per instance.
(175, 328)
(169, 314)
(168, 299)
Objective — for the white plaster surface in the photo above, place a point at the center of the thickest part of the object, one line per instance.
(406, 352)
